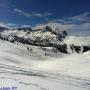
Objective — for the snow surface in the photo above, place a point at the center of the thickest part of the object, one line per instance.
(33, 70)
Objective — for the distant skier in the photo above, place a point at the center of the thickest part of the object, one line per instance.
(29, 49)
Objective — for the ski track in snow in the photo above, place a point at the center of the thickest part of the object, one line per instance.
(14, 70)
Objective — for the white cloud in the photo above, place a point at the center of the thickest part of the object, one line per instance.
(18, 10)
(28, 15)
(68, 23)
(78, 25)
(83, 26)
(53, 25)
(4, 24)
(78, 19)
(82, 17)
(79, 29)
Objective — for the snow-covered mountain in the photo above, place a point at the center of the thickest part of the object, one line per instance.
(47, 37)
(34, 60)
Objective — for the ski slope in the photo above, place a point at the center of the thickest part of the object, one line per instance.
(33, 70)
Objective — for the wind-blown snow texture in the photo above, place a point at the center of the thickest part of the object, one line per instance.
(31, 67)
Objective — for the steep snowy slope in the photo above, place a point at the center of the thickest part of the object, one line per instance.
(35, 70)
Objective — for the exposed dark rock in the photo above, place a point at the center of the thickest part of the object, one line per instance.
(47, 28)
(79, 48)
(86, 48)
(75, 48)
(62, 48)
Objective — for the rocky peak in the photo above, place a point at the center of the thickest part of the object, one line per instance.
(47, 28)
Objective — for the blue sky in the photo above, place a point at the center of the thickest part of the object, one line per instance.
(40, 11)
(70, 14)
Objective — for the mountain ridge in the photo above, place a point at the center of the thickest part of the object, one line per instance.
(46, 37)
